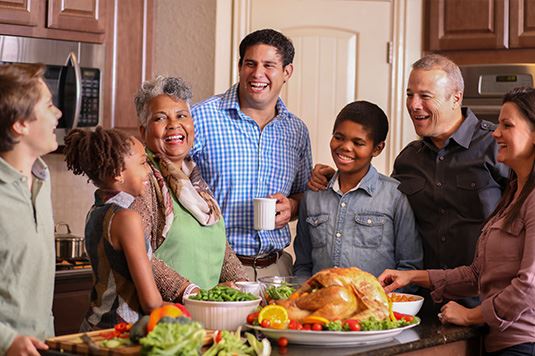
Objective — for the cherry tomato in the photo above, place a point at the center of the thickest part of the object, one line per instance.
(317, 327)
(299, 326)
(292, 325)
(398, 316)
(282, 342)
(408, 318)
(307, 327)
(252, 317)
(266, 323)
(122, 327)
(352, 324)
(218, 335)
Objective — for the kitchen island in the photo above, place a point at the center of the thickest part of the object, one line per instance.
(428, 338)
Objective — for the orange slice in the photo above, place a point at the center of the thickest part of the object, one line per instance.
(311, 319)
(276, 314)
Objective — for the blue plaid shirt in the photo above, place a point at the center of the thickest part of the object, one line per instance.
(241, 162)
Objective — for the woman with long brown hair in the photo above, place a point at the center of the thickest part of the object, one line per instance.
(503, 271)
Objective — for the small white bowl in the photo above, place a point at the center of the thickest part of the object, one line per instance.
(220, 315)
(410, 307)
(249, 287)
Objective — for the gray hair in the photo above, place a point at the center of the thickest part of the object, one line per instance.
(437, 61)
(175, 87)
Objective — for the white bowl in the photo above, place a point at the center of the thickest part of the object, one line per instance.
(410, 307)
(220, 315)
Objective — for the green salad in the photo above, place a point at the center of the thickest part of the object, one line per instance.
(284, 291)
(223, 294)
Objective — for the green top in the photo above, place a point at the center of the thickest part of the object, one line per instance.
(27, 258)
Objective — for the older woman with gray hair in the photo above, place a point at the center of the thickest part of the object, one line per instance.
(180, 214)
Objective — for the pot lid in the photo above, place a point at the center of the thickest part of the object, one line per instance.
(62, 231)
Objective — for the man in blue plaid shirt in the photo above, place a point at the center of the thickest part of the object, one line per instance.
(248, 145)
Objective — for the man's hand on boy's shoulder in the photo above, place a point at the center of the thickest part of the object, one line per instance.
(321, 174)
(26, 345)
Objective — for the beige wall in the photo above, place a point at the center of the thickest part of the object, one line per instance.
(184, 42)
(72, 196)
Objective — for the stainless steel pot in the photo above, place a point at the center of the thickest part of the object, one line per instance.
(68, 246)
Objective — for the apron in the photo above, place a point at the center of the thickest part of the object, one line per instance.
(193, 250)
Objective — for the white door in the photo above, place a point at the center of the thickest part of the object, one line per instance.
(341, 56)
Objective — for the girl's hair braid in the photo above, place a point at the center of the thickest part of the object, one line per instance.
(98, 154)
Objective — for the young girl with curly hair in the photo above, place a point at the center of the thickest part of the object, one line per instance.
(124, 287)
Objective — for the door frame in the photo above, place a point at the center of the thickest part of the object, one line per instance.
(233, 22)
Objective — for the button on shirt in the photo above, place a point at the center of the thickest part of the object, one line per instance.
(452, 190)
(27, 258)
(371, 227)
(240, 162)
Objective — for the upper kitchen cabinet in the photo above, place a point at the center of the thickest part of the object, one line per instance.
(72, 20)
(480, 24)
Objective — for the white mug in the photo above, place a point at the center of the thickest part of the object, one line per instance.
(264, 213)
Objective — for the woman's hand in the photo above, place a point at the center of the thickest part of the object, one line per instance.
(392, 279)
(26, 345)
(321, 174)
(229, 284)
(454, 313)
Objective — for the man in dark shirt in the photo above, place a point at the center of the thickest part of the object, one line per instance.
(450, 176)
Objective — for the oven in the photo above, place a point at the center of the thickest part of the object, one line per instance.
(485, 85)
(74, 75)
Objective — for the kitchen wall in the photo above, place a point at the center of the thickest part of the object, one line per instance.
(184, 42)
(72, 196)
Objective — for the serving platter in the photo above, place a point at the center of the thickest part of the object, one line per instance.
(332, 338)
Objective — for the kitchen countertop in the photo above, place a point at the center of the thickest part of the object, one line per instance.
(73, 273)
(429, 333)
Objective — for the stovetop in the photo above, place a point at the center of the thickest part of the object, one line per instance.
(72, 263)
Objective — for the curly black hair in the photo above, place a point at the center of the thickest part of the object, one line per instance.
(98, 154)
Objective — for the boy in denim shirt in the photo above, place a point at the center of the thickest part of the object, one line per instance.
(361, 219)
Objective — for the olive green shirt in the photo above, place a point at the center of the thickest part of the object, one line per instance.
(27, 258)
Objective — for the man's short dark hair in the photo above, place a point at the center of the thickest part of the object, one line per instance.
(270, 37)
(367, 114)
(19, 92)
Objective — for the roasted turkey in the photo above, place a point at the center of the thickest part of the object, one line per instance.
(338, 294)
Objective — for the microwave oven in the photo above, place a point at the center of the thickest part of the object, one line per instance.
(73, 73)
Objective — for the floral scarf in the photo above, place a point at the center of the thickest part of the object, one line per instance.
(189, 189)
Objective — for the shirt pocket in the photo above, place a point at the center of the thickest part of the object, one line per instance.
(506, 242)
(318, 229)
(412, 185)
(368, 231)
(472, 182)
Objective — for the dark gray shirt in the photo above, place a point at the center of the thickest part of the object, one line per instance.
(452, 190)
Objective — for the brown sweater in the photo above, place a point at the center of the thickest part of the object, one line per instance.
(170, 283)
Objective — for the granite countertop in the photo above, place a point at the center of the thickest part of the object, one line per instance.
(429, 333)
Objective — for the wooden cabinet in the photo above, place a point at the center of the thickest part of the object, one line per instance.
(128, 56)
(480, 24)
(73, 20)
(72, 291)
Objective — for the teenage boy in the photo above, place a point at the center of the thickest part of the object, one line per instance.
(28, 120)
(361, 219)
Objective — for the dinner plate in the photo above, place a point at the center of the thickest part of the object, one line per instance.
(332, 338)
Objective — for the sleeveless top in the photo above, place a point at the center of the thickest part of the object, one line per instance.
(114, 297)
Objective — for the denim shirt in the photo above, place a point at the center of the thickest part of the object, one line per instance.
(371, 227)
